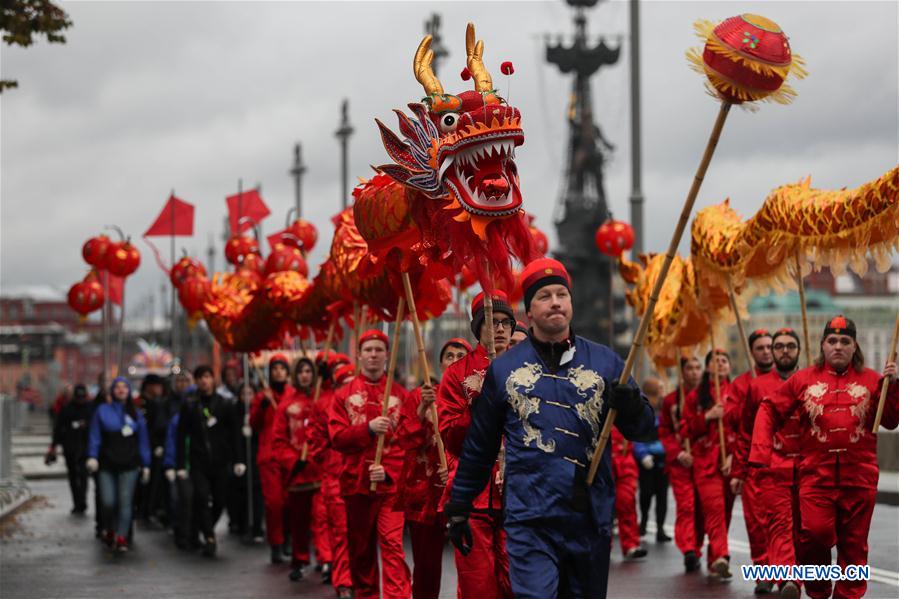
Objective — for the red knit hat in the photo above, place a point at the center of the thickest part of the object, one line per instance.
(457, 341)
(373, 334)
(278, 358)
(343, 374)
(541, 273)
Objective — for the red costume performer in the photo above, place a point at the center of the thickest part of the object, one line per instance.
(330, 462)
(371, 520)
(688, 530)
(262, 416)
(626, 473)
(836, 400)
(700, 423)
(483, 573)
(290, 433)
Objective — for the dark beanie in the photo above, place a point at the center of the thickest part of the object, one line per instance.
(790, 332)
(500, 304)
(541, 273)
(758, 334)
(839, 325)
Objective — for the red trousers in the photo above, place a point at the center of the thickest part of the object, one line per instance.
(299, 509)
(778, 499)
(688, 529)
(714, 513)
(838, 516)
(753, 515)
(484, 573)
(321, 540)
(626, 511)
(372, 523)
(427, 542)
(335, 531)
(275, 496)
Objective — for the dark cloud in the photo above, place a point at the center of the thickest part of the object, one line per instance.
(147, 97)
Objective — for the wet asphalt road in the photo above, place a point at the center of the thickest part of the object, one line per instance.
(48, 553)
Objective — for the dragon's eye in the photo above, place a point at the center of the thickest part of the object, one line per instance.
(448, 122)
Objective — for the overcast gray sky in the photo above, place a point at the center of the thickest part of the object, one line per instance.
(147, 97)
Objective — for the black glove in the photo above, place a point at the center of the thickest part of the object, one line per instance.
(298, 467)
(627, 401)
(458, 529)
(50, 458)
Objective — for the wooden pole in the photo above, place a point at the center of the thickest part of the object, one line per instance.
(886, 379)
(318, 379)
(801, 285)
(423, 361)
(685, 440)
(394, 350)
(488, 317)
(657, 287)
(717, 380)
(120, 370)
(747, 351)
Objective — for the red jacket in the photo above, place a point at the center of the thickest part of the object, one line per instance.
(461, 384)
(290, 430)
(704, 444)
(420, 486)
(353, 406)
(669, 428)
(786, 439)
(623, 463)
(321, 452)
(733, 415)
(262, 416)
(836, 414)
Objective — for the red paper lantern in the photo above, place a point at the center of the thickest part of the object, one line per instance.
(614, 237)
(193, 294)
(122, 259)
(186, 268)
(239, 246)
(86, 296)
(94, 251)
(285, 257)
(253, 262)
(305, 232)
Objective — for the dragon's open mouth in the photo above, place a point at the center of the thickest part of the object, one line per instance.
(483, 176)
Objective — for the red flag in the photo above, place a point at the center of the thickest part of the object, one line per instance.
(176, 218)
(246, 208)
(114, 289)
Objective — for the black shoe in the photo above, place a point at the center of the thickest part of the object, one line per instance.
(691, 562)
(642, 529)
(635, 553)
(789, 590)
(661, 537)
(285, 549)
(209, 548)
(344, 593)
(296, 574)
(763, 587)
(276, 556)
(326, 573)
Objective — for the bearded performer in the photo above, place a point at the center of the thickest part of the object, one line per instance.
(290, 443)
(776, 486)
(483, 571)
(424, 480)
(836, 400)
(703, 414)
(547, 399)
(760, 342)
(262, 417)
(688, 530)
(330, 462)
(354, 421)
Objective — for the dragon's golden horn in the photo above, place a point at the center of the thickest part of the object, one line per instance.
(475, 52)
(421, 66)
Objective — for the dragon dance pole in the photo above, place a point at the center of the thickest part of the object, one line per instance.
(488, 316)
(717, 379)
(886, 379)
(680, 401)
(801, 284)
(423, 361)
(318, 378)
(391, 367)
(723, 111)
(747, 351)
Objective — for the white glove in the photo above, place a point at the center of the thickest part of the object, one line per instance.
(170, 475)
(144, 475)
(648, 462)
(240, 469)
(182, 474)
(159, 451)
(246, 431)
(92, 465)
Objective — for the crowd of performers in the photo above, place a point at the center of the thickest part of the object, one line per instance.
(510, 491)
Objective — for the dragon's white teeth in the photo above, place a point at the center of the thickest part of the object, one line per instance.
(446, 164)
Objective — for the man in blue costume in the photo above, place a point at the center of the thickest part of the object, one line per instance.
(547, 399)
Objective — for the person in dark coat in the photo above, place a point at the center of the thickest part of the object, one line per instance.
(156, 413)
(71, 431)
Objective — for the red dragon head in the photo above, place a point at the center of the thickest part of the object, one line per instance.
(461, 148)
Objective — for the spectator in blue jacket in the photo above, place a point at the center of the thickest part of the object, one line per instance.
(653, 478)
(119, 448)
